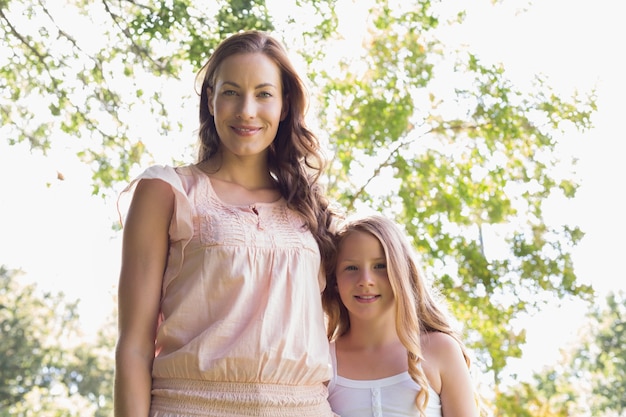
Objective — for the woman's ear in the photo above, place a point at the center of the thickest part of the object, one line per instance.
(209, 95)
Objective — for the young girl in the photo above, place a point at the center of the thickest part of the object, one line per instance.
(393, 349)
(219, 292)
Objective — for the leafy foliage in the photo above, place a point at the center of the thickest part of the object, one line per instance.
(453, 172)
(25, 338)
(79, 72)
(45, 368)
(603, 355)
(590, 379)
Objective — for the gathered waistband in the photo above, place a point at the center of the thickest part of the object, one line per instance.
(183, 397)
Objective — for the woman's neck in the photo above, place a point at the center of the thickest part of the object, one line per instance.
(250, 174)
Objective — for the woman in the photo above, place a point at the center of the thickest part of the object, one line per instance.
(219, 292)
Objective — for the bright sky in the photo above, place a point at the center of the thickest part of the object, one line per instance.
(62, 238)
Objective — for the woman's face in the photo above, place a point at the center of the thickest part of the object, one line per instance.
(247, 103)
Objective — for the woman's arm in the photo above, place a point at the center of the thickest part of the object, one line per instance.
(144, 255)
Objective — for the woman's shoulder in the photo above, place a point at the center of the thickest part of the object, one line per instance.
(180, 177)
(164, 171)
(153, 195)
(157, 184)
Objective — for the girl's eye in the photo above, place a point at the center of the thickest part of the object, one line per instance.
(381, 266)
(350, 268)
(229, 92)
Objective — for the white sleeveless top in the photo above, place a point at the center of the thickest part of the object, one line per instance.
(393, 396)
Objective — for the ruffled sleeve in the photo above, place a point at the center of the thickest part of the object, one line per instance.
(181, 226)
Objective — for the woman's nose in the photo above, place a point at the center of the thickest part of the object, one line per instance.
(247, 108)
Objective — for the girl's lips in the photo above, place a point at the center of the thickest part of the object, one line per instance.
(367, 298)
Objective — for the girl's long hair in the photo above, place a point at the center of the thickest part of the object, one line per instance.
(294, 158)
(417, 310)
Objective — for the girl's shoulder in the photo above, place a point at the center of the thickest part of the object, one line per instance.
(440, 346)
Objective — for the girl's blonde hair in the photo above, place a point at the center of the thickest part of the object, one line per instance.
(417, 310)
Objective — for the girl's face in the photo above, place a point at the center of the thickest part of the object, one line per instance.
(362, 279)
(247, 103)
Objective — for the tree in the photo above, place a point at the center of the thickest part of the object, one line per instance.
(444, 143)
(602, 356)
(548, 395)
(590, 378)
(27, 333)
(69, 72)
(453, 174)
(45, 366)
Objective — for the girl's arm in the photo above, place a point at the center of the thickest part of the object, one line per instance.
(144, 255)
(457, 389)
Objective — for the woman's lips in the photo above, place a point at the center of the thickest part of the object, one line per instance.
(245, 130)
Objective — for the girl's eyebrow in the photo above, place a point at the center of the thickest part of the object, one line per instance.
(381, 259)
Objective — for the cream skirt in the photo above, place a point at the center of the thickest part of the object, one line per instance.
(186, 398)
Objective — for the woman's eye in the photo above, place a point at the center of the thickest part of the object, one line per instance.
(229, 92)
(265, 94)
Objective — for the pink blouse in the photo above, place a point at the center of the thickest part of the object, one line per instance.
(241, 291)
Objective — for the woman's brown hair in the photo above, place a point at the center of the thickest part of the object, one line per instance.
(294, 158)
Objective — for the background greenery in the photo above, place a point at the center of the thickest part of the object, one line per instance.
(434, 137)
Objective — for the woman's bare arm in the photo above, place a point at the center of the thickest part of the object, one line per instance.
(144, 257)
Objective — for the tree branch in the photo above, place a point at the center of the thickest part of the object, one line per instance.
(387, 162)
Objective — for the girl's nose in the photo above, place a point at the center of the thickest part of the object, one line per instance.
(366, 279)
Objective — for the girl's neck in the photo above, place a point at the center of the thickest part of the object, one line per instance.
(367, 335)
(380, 349)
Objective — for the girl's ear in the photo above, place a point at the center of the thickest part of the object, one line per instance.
(285, 111)
(209, 94)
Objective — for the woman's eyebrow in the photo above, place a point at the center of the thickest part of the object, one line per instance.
(262, 85)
